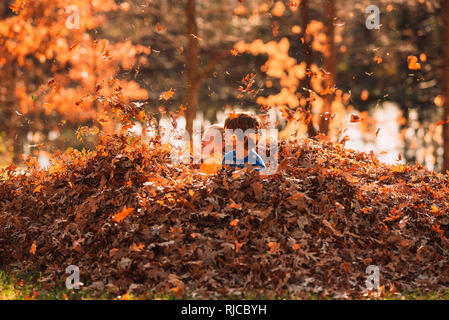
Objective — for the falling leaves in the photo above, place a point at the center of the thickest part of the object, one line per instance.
(413, 63)
(275, 29)
(327, 91)
(247, 82)
(354, 118)
(159, 28)
(440, 123)
(17, 6)
(195, 37)
(167, 95)
(377, 132)
(378, 60)
(73, 46)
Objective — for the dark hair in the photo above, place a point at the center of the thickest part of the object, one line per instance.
(243, 121)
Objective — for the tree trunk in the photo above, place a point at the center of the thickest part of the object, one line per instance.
(193, 81)
(330, 66)
(308, 60)
(445, 84)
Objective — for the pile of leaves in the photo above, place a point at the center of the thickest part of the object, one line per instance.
(131, 219)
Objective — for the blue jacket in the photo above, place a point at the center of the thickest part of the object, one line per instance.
(251, 159)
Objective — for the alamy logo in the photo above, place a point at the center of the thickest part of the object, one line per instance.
(73, 20)
(73, 280)
(373, 20)
(372, 281)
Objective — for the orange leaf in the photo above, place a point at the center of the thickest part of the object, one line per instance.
(238, 245)
(159, 27)
(413, 63)
(327, 91)
(73, 46)
(138, 247)
(120, 216)
(434, 209)
(232, 115)
(38, 188)
(167, 94)
(354, 118)
(234, 222)
(440, 122)
(437, 229)
(179, 290)
(125, 297)
(234, 205)
(378, 60)
(17, 6)
(33, 247)
(274, 247)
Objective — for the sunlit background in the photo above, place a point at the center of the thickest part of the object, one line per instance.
(314, 62)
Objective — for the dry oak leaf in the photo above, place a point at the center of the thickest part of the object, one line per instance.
(120, 216)
(234, 205)
(138, 247)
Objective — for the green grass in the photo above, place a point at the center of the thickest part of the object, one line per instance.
(26, 285)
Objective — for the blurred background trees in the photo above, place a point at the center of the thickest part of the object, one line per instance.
(314, 61)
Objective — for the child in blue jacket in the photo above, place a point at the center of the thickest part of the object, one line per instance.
(242, 126)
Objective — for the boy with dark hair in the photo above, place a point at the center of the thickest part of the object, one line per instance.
(241, 126)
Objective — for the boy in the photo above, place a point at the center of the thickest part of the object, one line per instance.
(242, 125)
